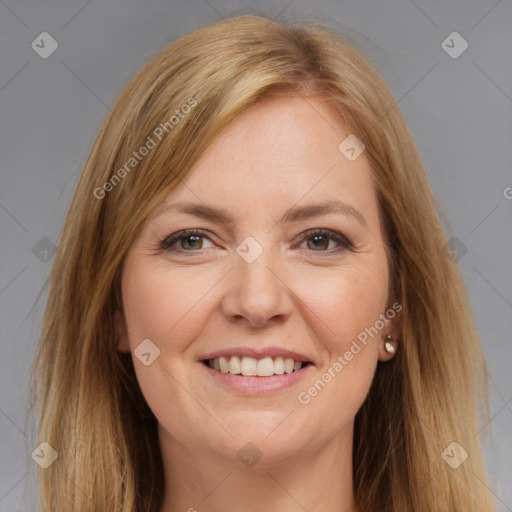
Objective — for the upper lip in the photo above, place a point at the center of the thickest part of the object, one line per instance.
(257, 353)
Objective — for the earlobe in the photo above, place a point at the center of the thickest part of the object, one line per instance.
(391, 338)
(388, 348)
(121, 332)
(390, 345)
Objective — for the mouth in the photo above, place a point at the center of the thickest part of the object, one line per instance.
(251, 367)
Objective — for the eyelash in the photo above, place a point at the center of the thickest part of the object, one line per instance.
(168, 242)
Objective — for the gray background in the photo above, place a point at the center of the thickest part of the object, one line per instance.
(459, 110)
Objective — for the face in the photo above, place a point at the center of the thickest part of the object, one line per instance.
(272, 276)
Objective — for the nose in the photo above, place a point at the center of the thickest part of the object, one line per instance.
(257, 292)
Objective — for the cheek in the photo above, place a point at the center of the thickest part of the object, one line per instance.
(160, 302)
(169, 306)
(347, 300)
(345, 306)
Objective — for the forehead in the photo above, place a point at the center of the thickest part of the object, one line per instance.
(280, 151)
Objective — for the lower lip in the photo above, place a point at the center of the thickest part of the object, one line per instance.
(257, 385)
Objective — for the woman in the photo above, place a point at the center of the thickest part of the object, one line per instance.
(252, 304)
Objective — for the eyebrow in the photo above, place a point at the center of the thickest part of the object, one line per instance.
(294, 214)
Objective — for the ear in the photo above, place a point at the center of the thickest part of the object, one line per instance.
(390, 337)
(121, 332)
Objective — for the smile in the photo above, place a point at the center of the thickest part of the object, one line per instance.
(250, 366)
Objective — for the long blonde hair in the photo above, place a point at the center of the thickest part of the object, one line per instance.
(89, 405)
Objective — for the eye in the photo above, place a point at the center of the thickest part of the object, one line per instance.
(190, 240)
(321, 238)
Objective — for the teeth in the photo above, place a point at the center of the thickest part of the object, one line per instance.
(249, 366)
(223, 365)
(235, 365)
(279, 365)
(265, 367)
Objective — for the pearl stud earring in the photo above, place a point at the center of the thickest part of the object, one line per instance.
(389, 345)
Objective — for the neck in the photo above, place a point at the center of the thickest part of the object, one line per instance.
(316, 479)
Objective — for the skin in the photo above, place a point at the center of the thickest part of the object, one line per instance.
(281, 153)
